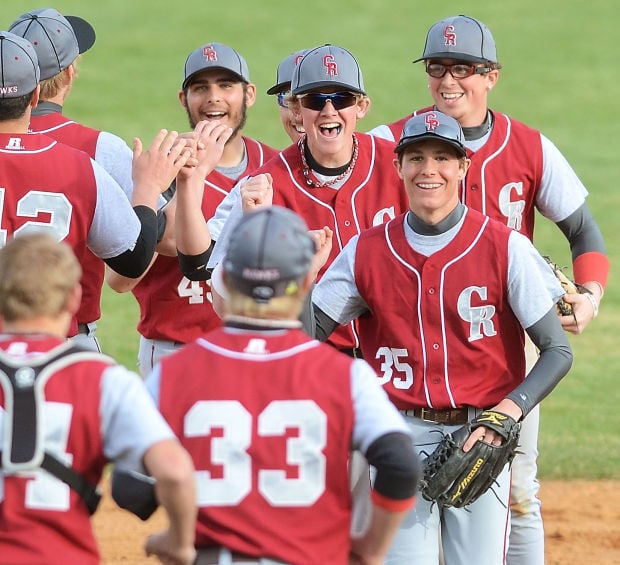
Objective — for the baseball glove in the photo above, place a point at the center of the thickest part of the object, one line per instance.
(453, 478)
(569, 286)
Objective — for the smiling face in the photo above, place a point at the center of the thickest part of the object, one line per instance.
(431, 171)
(330, 131)
(465, 99)
(291, 123)
(217, 94)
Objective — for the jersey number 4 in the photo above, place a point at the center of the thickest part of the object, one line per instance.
(231, 451)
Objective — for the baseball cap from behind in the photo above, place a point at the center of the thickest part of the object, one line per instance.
(57, 39)
(432, 125)
(285, 71)
(462, 38)
(269, 253)
(19, 68)
(215, 56)
(328, 65)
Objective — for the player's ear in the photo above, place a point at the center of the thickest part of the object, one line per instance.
(250, 94)
(397, 165)
(363, 106)
(464, 164)
(183, 99)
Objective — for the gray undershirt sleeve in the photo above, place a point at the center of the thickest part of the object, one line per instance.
(582, 232)
(555, 360)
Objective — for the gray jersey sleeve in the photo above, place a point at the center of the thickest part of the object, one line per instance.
(115, 226)
(532, 287)
(130, 420)
(375, 415)
(336, 294)
(382, 131)
(227, 214)
(561, 192)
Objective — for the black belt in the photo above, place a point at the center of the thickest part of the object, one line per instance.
(453, 416)
(354, 352)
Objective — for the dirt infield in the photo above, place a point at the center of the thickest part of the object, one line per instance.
(582, 524)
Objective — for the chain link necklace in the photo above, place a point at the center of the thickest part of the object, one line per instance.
(306, 169)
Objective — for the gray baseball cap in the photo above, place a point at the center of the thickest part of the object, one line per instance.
(285, 70)
(432, 125)
(269, 253)
(460, 37)
(215, 56)
(57, 39)
(328, 65)
(19, 67)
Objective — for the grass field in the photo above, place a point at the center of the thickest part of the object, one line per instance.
(560, 75)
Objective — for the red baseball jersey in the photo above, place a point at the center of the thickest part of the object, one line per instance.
(268, 419)
(42, 520)
(171, 306)
(62, 129)
(437, 341)
(505, 173)
(372, 195)
(46, 185)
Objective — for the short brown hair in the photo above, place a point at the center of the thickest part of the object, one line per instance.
(37, 275)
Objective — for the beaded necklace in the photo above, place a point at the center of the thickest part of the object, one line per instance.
(306, 169)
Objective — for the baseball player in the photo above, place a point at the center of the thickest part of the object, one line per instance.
(173, 309)
(65, 413)
(282, 90)
(331, 177)
(515, 170)
(58, 41)
(49, 186)
(446, 335)
(270, 415)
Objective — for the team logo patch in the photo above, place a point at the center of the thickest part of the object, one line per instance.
(449, 35)
(431, 121)
(210, 54)
(331, 67)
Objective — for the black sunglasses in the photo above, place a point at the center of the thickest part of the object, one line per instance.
(317, 100)
(282, 98)
(458, 70)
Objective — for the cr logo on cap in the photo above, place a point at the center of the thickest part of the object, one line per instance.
(330, 65)
(449, 34)
(209, 53)
(431, 121)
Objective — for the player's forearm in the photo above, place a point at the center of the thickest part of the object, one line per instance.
(554, 362)
(172, 468)
(191, 230)
(373, 546)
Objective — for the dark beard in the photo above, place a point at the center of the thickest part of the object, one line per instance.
(240, 126)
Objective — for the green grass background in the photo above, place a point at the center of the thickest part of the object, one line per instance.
(561, 75)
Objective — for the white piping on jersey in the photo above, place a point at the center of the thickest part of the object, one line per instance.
(232, 354)
(261, 162)
(483, 188)
(441, 306)
(59, 126)
(327, 206)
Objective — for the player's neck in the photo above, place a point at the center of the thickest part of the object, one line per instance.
(234, 151)
(20, 125)
(57, 327)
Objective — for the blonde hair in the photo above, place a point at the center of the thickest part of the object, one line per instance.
(279, 308)
(50, 87)
(37, 275)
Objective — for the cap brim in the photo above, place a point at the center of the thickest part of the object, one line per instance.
(280, 87)
(320, 84)
(455, 56)
(84, 32)
(407, 141)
